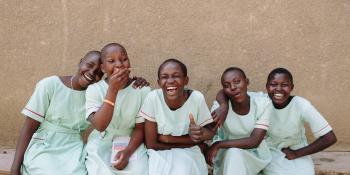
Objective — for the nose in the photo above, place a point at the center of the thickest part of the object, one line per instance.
(118, 64)
(170, 80)
(279, 87)
(233, 86)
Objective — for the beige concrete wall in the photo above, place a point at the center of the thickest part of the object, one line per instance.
(311, 38)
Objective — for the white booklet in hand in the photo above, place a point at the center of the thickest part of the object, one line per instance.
(119, 144)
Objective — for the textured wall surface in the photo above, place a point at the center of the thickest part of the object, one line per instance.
(310, 38)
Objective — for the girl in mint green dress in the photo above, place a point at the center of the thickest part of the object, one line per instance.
(239, 147)
(170, 113)
(286, 137)
(50, 141)
(112, 107)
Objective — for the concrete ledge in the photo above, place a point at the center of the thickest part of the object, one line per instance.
(332, 163)
(6, 158)
(326, 163)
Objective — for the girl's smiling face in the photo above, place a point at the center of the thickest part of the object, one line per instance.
(172, 80)
(235, 85)
(115, 58)
(279, 88)
(89, 69)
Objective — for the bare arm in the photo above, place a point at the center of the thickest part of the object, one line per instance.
(196, 134)
(221, 98)
(219, 115)
(151, 139)
(136, 139)
(318, 145)
(252, 141)
(29, 127)
(175, 139)
(185, 139)
(101, 118)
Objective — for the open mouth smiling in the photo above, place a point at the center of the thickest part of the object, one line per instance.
(278, 96)
(89, 78)
(169, 89)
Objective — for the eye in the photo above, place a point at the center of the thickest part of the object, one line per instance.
(163, 77)
(176, 76)
(226, 85)
(273, 84)
(236, 81)
(89, 65)
(285, 85)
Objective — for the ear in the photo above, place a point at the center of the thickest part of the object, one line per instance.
(247, 80)
(292, 87)
(158, 81)
(186, 80)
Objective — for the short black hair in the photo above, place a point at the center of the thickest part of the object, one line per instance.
(174, 60)
(233, 69)
(104, 49)
(280, 70)
(93, 52)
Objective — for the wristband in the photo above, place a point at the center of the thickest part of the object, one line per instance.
(108, 102)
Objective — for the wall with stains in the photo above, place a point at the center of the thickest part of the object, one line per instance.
(310, 38)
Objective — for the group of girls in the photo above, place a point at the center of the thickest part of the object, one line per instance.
(166, 131)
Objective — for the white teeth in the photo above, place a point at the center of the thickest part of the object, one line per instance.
(87, 77)
(278, 95)
(170, 88)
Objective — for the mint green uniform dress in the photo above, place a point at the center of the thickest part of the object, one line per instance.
(184, 161)
(243, 161)
(287, 130)
(56, 147)
(125, 116)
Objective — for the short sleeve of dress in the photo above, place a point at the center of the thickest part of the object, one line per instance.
(144, 92)
(204, 115)
(39, 101)
(147, 110)
(319, 126)
(263, 120)
(93, 101)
